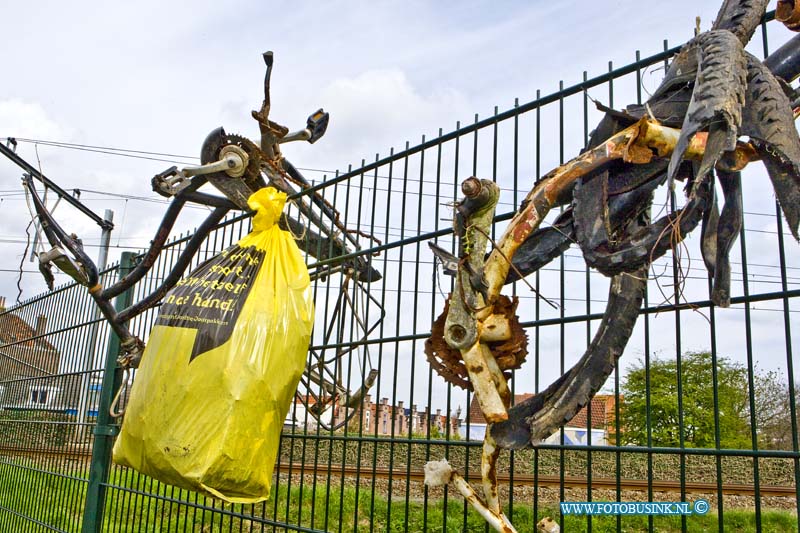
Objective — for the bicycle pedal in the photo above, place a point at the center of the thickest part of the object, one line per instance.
(317, 123)
(170, 182)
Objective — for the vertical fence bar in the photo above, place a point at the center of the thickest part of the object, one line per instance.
(750, 382)
(561, 304)
(536, 354)
(416, 298)
(456, 160)
(514, 180)
(105, 429)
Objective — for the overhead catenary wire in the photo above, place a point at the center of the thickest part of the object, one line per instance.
(136, 153)
(127, 152)
(22, 241)
(24, 363)
(122, 223)
(109, 148)
(123, 152)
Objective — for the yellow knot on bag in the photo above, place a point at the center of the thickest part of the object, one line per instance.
(268, 204)
(221, 366)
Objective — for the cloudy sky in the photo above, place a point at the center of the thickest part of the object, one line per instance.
(158, 76)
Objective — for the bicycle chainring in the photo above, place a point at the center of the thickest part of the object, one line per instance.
(510, 354)
(239, 189)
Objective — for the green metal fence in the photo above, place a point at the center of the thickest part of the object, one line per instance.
(57, 373)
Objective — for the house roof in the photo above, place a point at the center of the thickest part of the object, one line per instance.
(13, 329)
(601, 409)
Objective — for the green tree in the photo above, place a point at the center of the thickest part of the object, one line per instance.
(774, 412)
(697, 403)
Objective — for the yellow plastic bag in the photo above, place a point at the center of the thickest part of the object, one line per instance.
(222, 365)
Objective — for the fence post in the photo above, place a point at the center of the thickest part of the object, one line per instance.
(105, 428)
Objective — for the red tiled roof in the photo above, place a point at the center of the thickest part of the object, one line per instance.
(13, 328)
(599, 411)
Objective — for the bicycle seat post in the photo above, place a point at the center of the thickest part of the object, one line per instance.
(268, 139)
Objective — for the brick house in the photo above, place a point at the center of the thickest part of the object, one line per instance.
(384, 419)
(28, 364)
(576, 431)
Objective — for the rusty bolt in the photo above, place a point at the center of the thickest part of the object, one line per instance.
(457, 333)
(471, 187)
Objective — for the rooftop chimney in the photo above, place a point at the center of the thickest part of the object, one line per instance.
(2, 303)
(41, 324)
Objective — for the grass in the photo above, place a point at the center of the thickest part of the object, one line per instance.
(141, 504)
(52, 500)
(342, 516)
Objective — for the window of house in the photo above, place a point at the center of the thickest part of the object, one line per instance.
(39, 396)
(385, 429)
(366, 420)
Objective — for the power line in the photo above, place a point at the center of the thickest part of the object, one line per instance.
(16, 271)
(391, 231)
(77, 145)
(125, 152)
(22, 241)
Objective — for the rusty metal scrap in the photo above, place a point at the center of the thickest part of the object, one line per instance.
(509, 353)
(438, 473)
(788, 12)
(637, 144)
(688, 130)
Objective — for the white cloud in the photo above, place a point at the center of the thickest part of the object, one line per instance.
(29, 119)
(378, 108)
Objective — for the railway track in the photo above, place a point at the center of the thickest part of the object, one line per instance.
(504, 478)
(569, 482)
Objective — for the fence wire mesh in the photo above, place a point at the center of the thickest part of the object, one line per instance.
(367, 475)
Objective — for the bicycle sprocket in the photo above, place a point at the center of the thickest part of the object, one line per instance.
(510, 354)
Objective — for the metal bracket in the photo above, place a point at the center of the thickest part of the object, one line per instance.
(109, 431)
(65, 264)
(473, 220)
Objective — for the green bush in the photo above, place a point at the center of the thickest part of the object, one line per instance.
(34, 429)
